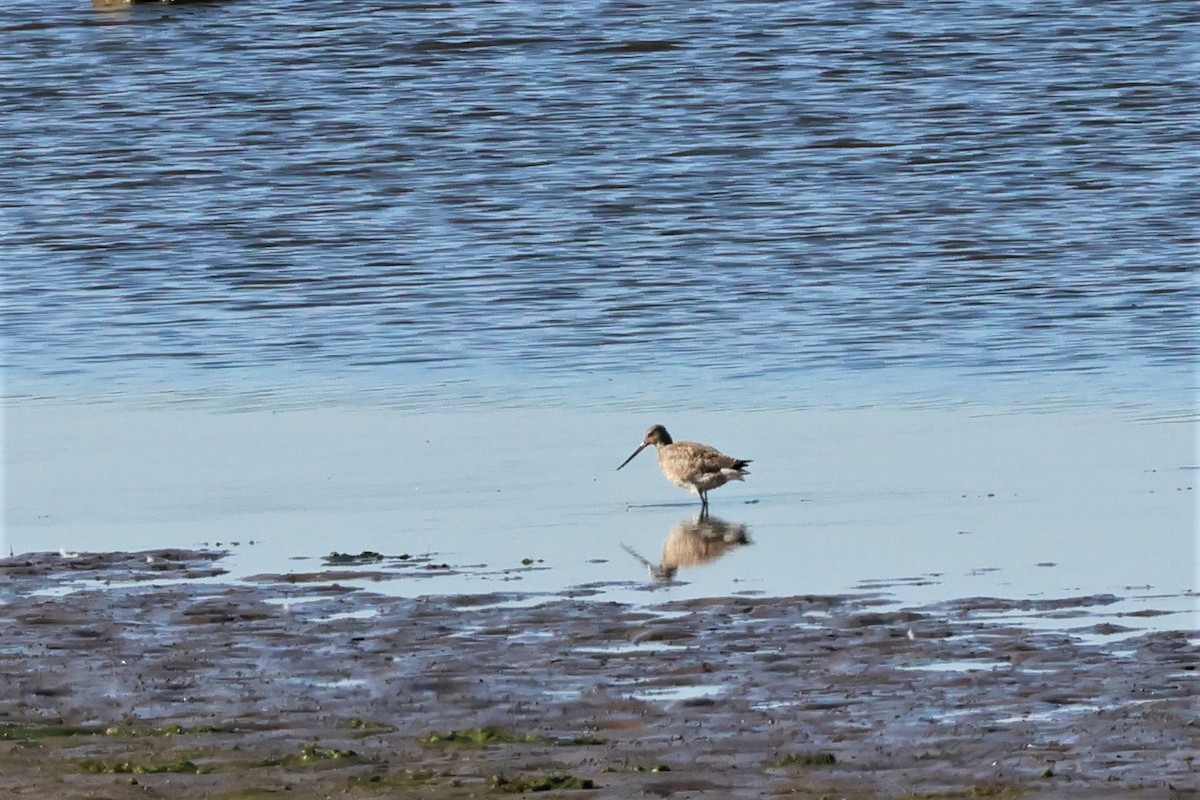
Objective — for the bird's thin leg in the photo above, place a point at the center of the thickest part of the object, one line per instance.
(704, 504)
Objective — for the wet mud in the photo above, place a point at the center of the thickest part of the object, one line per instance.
(148, 675)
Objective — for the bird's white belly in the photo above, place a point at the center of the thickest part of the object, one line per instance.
(704, 482)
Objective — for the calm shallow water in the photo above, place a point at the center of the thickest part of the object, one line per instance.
(551, 204)
(921, 505)
(576, 220)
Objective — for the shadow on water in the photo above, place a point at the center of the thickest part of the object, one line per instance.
(692, 542)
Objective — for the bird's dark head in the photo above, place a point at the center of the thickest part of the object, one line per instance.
(656, 435)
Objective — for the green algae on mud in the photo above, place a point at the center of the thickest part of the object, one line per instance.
(409, 775)
(366, 726)
(479, 737)
(309, 754)
(12, 731)
(978, 790)
(522, 784)
(439, 783)
(180, 765)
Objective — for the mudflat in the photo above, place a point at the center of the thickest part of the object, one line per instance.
(153, 675)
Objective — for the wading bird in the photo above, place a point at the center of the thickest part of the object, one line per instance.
(692, 466)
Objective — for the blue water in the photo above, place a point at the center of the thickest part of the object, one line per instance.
(933, 267)
(589, 202)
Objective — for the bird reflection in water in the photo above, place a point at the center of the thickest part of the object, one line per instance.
(694, 541)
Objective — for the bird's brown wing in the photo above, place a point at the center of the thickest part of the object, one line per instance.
(707, 460)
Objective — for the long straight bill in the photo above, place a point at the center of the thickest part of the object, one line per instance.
(635, 452)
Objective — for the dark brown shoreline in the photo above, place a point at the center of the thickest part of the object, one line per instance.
(164, 685)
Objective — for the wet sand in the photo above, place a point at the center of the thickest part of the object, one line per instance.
(150, 675)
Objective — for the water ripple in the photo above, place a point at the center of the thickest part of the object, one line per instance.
(746, 190)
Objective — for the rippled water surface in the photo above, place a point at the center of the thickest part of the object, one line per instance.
(434, 199)
(932, 266)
